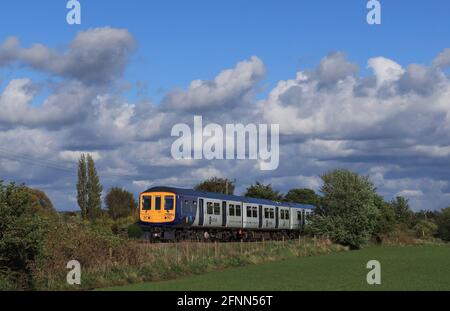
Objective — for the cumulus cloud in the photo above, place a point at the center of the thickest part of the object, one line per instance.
(392, 125)
(97, 55)
(227, 90)
(443, 59)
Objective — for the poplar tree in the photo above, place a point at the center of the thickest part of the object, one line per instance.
(82, 196)
(94, 190)
(89, 189)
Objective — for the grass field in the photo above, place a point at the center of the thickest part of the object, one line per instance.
(402, 268)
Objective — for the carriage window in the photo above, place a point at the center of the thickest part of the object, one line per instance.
(147, 203)
(158, 203)
(231, 210)
(209, 208)
(286, 215)
(255, 212)
(249, 211)
(216, 209)
(169, 203)
(266, 213)
(299, 216)
(238, 210)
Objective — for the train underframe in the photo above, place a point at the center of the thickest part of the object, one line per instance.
(160, 234)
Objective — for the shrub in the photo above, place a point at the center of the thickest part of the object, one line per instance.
(425, 229)
(134, 231)
(443, 223)
(22, 234)
(348, 214)
(120, 203)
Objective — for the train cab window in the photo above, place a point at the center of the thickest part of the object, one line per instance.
(231, 210)
(255, 212)
(169, 203)
(249, 211)
(216, 209)
(209, 208)
(147, 203)
(158, 203)
(238, 210)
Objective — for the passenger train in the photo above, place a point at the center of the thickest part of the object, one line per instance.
(167, 213)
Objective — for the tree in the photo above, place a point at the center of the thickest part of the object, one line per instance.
(89, 189)
(348, 215)
(120, 203)
(82, 195)
(94, 190)
(217, 185)
(403, 213)
(386, 217)
(425, 228)
(40, 201)
(303, 196)
(443, 223)
(22, 232)
(262, 191)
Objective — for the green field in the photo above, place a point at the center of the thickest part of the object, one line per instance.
(402, 268)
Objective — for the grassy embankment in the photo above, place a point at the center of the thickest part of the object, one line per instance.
(421, 267)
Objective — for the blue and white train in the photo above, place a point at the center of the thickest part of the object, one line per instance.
(169, 213)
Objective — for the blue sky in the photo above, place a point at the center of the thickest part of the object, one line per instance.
(184, 40)
(374, 99)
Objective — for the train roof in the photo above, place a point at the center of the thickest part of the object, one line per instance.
(227, 197)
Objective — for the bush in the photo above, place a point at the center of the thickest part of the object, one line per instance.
(425, 229)
(134, 231)
(120, 203)
(443, 223)
(348, 214)
(22, 234)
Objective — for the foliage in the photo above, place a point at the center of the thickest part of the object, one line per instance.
(403, 213)
(443, 223)
(262, 191)
(94, 190)
(120, 203)
(217, 185)
(134, 231)
(303, 196)
(348, 215)
(386, 217)
(89, 189)
(40, 201)
(425, 229)
(82, 195)
(22, 233)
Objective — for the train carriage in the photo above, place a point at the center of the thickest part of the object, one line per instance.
(174, 213)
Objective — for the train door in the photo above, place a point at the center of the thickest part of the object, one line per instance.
(224, 213)
(260, 216)
(201, 213)
(276, 217)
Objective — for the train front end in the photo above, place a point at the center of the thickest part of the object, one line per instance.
(157, 208)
